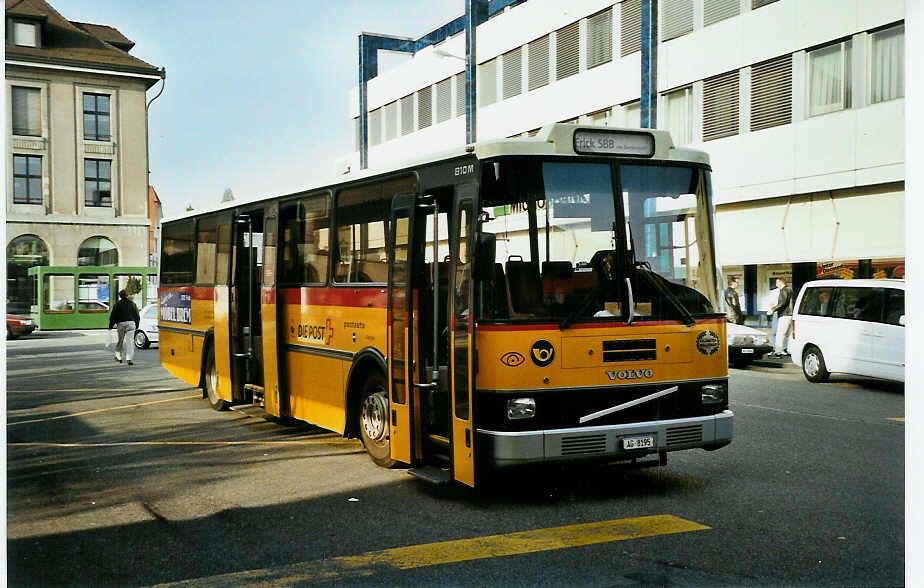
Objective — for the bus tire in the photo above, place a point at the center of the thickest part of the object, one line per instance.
(373, 420)
(211, 382)
(813, 365)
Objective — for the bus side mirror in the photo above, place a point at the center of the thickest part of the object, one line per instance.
(485, 251)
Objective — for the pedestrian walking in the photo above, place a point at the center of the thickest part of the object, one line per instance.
(125, 318)
(733, 303)
(783, 312)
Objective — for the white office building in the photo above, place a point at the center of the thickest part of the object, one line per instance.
(799, 103)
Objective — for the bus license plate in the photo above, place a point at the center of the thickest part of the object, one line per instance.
(638, 442)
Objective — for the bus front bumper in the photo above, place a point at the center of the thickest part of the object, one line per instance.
(504, 449)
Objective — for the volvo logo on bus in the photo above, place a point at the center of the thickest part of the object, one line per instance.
(629, 374)
(542, 353)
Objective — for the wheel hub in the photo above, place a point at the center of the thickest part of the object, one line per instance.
(375, 416)
(811, 364)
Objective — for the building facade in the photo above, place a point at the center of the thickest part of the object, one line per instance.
(77, 164)
(799, 103)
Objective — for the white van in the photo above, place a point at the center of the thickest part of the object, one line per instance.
(850, 326)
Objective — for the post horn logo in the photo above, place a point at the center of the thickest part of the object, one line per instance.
(542, 353)
(707, 342)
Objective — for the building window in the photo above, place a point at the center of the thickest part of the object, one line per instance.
(487, 83)
(887, 64)
(443, 100)
(25, 34)
(678, 115)
(513, 73)
(829, 78)
(375, 127)
(758, 3)
(97, 182)
(27, 111)
(676, 18)
(391, 121)
(407, 114)
(720, 106)
(98, 251)
(538, 63)
(424, 107)
(719, 10)
(632, 112)
(600, 38)
(771, 93)
(601, 118)
(631, 27)
(460, 93)
(96, 117)
(27, 179)
(567, 46)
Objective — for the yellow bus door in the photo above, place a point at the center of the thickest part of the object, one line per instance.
(402, 333)
(462, 334)
(269, 330)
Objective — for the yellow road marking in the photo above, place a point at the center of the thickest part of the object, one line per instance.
(898, 419)
(320, 441)
(445, 552)
(98, 410)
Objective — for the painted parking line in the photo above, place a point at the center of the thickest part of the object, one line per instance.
(332, 439)
(898, 419)
(446, 552)
(99, 410)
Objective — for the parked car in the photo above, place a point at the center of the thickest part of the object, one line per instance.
(850, 326)
(147, 329)
(17, 326)
(746, 344)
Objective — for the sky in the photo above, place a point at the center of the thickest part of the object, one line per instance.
(256, 96)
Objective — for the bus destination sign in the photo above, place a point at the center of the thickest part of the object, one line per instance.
(593, 141)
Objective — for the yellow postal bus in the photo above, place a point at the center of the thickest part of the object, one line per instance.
(520, 301)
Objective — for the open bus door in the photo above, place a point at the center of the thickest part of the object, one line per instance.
(245, 308)
(402, 333)
(462, 333)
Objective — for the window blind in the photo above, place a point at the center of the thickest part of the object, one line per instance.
(538, 63)
(460, 94)
(443, 100)
(720, 106)
(630, 35)
(771, 93)
(676, 18)
(759, 3)
(513, 73)
(718, 10)
(424, 107)
(375, 127)
(567, 60)
(487, 83)
(407, 114)
(27, 111)
(600, 38)
(391, 121)
(887, 64)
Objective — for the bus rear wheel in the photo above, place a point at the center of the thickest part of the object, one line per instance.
(211, 382)
(373, 421)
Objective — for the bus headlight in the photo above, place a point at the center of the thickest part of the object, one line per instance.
(714, 394)
(521, 408)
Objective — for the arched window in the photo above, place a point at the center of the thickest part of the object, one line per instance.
(98, 251)
(22, 253)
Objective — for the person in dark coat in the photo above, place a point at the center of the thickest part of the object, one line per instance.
(125, 318)
(732, 303)
(783, 311)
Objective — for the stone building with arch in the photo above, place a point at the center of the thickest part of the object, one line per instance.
(77, 163)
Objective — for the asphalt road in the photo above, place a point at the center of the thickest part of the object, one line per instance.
(122, 475)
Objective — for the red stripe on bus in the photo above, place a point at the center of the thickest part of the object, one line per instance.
(610, 325)
(370, 297)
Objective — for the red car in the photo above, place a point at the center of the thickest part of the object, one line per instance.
(18, 325)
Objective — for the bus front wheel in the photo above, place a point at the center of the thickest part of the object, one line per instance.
(373, 421)
(211, 382)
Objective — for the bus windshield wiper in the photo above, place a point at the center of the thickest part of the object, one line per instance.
(688, 319)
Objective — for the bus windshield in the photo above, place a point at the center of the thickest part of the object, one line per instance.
(565, 243)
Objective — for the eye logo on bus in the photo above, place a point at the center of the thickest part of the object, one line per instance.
(542, 353)
(512, 359)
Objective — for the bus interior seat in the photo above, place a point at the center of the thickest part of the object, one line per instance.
(524, 288)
